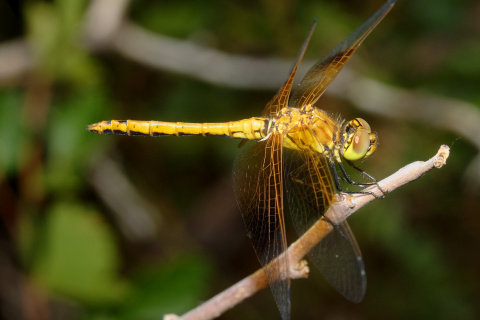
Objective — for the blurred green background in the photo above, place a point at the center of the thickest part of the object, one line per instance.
(113, 227)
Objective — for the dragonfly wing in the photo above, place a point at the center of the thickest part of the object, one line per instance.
(321, 75)
(257, 179)
(280, 99)
(309, 190)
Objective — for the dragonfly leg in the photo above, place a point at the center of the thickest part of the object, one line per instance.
(351, 164)
(346, 177)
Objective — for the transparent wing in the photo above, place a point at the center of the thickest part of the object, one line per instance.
(309, 191)
(321, 75)
(280, 99)
(257, 179)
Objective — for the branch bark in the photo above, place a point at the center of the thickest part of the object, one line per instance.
(345, 206)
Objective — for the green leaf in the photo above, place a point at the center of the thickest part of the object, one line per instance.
(175, 18)
(11, 132)
(80, 258)
(53, 32)
(70, 144)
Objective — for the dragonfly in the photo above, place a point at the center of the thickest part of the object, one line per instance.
(298, 158)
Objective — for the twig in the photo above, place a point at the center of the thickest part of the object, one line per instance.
(458, 116)
(16, 60)
(102, 21)
(200, 62)
(345, 206)
(220, 68)
(389, 101)
(213, 66)
(216, 67)
(137, 218)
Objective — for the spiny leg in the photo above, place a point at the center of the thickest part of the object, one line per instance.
(347, 178)
(351, 164)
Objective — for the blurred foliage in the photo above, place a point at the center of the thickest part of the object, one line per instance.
(64, 243)
(11, 132)
(53, 34)
(79, 256)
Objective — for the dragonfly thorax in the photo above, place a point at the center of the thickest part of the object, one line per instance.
(307, 128)
(312, 128)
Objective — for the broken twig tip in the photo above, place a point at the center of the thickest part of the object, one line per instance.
(300, 270)
(441, 157)
(350, 201)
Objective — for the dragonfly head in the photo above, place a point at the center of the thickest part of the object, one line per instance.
(360, 141)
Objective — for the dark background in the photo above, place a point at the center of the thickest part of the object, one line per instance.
(111, 227)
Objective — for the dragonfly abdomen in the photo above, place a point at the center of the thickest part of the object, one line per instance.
(252, 129)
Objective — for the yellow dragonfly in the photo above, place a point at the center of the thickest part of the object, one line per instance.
(298, 151)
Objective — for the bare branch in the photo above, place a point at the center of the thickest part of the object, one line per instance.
(102, 21)
(458, 116)
(213, 66)
(386, 100)
(137, 218)
(16, 60)
(346, 206)
(220, 68)
(194, 60)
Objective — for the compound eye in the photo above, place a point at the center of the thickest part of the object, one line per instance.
(364, 124)
(359, 145)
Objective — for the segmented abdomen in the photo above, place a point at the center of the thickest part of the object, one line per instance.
(252, 129)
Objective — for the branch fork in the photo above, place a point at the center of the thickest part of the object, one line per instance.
(346, 205)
